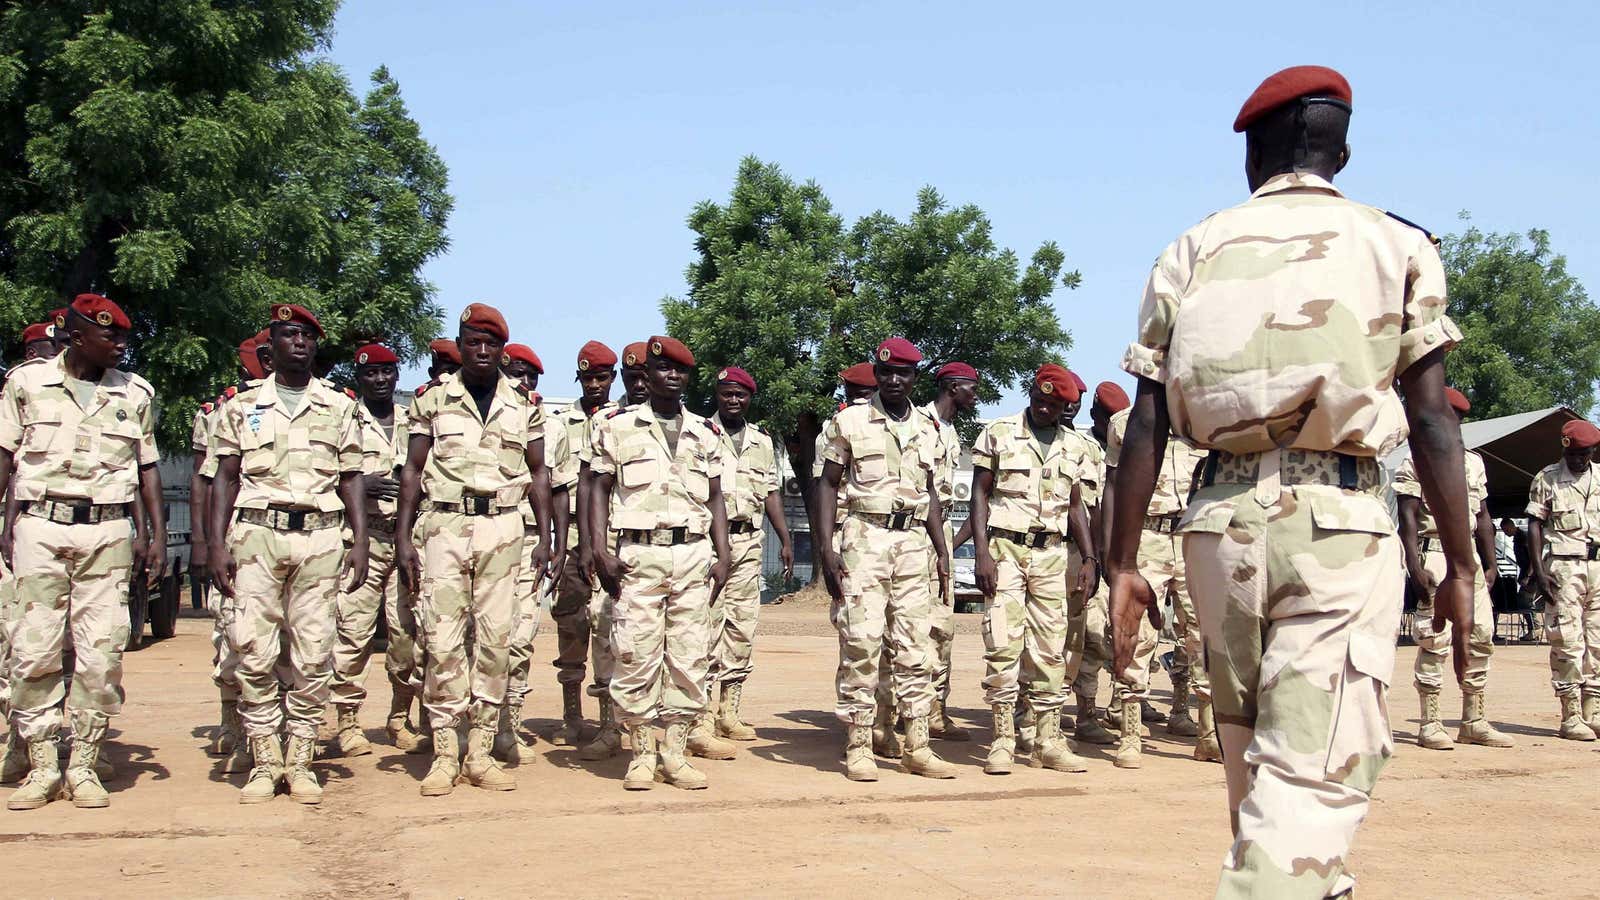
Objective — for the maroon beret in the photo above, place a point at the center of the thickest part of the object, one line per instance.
(1458, 400)
(40, 332)
(58, 317)
(250, 358)
(445, 349)
(897, 351)
(956, 370)
(595, 355)
(485, 318)
(1289, 84)
(736, 375)
(1579, 433)
(293, 312)
(100, 311)
(1111, 396)
(859, 375)
(672, 349)
(376, 355)
(1057, 381)
(522, 353)
(633, 354)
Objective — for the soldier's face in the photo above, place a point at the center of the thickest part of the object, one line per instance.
(40, 350)
(1069, 412)
(894, 382)
(517, 370)
(1045, 409)
(596, 385)
(1577, 458)
(665, 379)
(1102, 421)
(965, 393)
(264, 356)
(442, 366)
(733, 401)
(480, 354)
(377, 382)
(294, 346)
(634, 386)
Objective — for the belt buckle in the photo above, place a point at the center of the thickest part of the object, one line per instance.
(1037, 540)
(478, 506)
(80, 515)
(898, 520)
(680, 535)
(297, 520)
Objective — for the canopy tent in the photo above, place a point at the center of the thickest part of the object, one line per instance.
(1514, 449)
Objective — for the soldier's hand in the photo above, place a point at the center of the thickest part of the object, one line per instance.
(986, 573)
(1088, 577)
(541, 559)
(155, 559)
(833, 575)
(223, 569)
(140, 546)
(557, 564)
(5, 546)
(786, 556)
(1131, 599)
(586, 564)
(382, 488)
(409, 564)
(1452, 603)
(355, 567)
(610, 568)
(719, 576)
(199, 559)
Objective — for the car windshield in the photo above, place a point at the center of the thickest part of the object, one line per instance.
(966, 551)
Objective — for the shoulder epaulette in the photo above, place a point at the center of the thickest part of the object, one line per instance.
(231, 392)
(207, 406)
(713, 426)
(350, 393)
(421, 389)
(616, 412)
(1432, 238)
(758, 428)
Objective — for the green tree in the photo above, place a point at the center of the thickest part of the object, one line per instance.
(1531, 335)
(198, 162)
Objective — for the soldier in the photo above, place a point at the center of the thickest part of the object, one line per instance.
(384, 440)
(444, 359)
(666, 468)
(1089, 627)
(1161, 564)
(957, 395)
(289, 457)
(39, 342)
(1419, 542)
(1027, 502)
(1273, 333)
(59, 332)
(1564, 513)
(878, 576)
(477, 450)
(750, 490)
(79, 437)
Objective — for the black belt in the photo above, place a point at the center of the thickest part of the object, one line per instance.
(1033, 540)
(474, 505)
(1352, 473)
(1591, 553)
(742, 526)
(660, 537)
(900, 521)
(1167, 524)
(73, 512)
(382, 526)
(283, 518)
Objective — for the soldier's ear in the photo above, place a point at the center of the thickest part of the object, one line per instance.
(1344, 159)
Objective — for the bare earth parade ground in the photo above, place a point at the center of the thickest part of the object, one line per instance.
(781, 820)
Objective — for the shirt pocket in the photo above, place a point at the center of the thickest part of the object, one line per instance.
(639, 468)
(43, 432)
(119, 443)
(1015, 475)
(871, 465)
(1565, 515)
(323, 435)
(450, 435)
(512, 456)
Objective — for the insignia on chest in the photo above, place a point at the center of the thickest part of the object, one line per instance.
(253, 419)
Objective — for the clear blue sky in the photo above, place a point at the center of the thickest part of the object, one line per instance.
(580, 135)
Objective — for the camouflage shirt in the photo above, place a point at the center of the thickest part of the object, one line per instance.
(886, 462)
(1284, 321)
(655, 486)
(474, 454)
(67, 452)
(1569, 506)
(1178, 469)
(1091, 481)
(1406, 485)
(1032, 481)
(944, 476)
(290, 460)
(749, 470)
(383, 452)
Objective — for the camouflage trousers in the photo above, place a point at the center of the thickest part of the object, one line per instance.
(357, 623)
(941, 638)
(8, 590)
(660, 633)
(572, 612)
(735, 611)
(529, 585)
(1433, 648)
(71, 586)
(224, 661)
(469, 579)
(1025, 626)
(1088, 638)
(285, 597)
(1572, 626)
(1161, 563)
(1299, 596)
(886, 597)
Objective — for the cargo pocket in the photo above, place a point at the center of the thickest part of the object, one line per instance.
(1360, 741)
(995, 626)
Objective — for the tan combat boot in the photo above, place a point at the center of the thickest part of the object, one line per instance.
(242, 759)
(703, 740)
(352, 740)
(1431, 734)
(398, 724)
(44, 776)
(1129, 746)
(1475, 729)
(641, 774)
(919, 758)
(480, 769)
(509, 745)
(1088, 730)
(1054, 751)
(675, 769)
(942, 727)
(230, 733)
(608, 740)
(1027, 731)
(1591, 711)
(885, 739)
(1207, 748)
(14, 766)
(1003, 747)
(729, 725)
(446, 768)
(858, 762)
(262, 784)
(81, 782)
(571, 732)
(1179, 723)
(303, 784)
(1573, 727)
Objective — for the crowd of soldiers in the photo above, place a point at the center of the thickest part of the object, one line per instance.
(1241, 485)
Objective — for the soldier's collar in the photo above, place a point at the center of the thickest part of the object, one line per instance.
(1296, 181)
(56, 371)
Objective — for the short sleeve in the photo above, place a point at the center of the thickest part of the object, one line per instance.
(1146, 357)
(1405, 480)
(352, 458)
(197, 435)
(986, 450)
(603, 450)
(1427, 328)
(835, 444)
(148, 454)
(225, 436)
(419, 418)
(558, 456)
(536, 419)
(772, 472)
(11, 419)
(1119, 427)
(1541, 493)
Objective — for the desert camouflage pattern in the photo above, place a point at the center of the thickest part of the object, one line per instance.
(1176, 480)
(886, 606)
(530, 583)
(1241, 311)
(286, 590)
(1088, 649)
(660, 633)
(8, 592)
(654, 486)
(581, 610)
(472, 454)
(749, 475)
(290, 460)
(1033, 482)
(1406, 485)
(886, 463)
(1569, 506)
(1091, 478)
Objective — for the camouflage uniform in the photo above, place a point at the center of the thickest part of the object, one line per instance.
(1088, 647)
(750, 474)
(581, 609)
(1569, 507)
(1278, 328)
(557, 459)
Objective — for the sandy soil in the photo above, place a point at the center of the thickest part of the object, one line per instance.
(781, 820)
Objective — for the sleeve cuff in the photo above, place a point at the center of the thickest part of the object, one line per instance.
(1419, 342)
(1145, 362)
(1538, 511)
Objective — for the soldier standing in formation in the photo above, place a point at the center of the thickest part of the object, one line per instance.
(1292, 555)
(1425, 563)
(522, 365)
(1088, 624)
(957, 395)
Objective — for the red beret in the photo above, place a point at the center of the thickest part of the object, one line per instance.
(1293, 82)
(1082, 388)
(39, 332)
(485, 318)
(1458, 400)
(1111, 397)
(736, 375)
(524, 353)
(897, 351)
(1057, 381)
(445, 349)
(58, 317)
(671, 349)
(595, 355)
(249, 359)
(1579, 433)
(100, 311)
(633, 355)
(956, 370)
(290, 312)
(859, 375)
(376, 355)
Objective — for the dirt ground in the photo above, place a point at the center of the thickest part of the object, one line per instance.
(781, 820)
